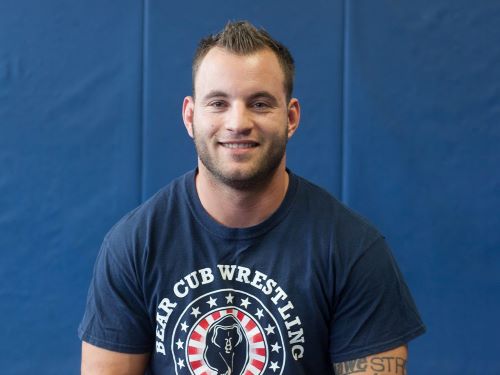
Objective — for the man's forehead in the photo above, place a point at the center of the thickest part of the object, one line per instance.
(221, 66)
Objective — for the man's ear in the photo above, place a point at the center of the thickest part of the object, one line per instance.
(188, 114)
(293, 116)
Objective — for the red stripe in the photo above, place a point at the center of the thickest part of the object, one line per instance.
(216, 315)
(193, 350)
(257, 364)
(257, 338)
(196, 336)
(260, 351)
(195, 364)
(240, 316)
(250, 325)
(204, 324)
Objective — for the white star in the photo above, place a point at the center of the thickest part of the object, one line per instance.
(212, 302)
(269, 329)
(229, 298)
(274, 366)
(195, 311)
(245, 302)
(180, 363)
(184, 326)
(276, 348)
(259, 313)
(180, 344)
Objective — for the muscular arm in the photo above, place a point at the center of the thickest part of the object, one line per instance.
(97, 361)
(392, 362)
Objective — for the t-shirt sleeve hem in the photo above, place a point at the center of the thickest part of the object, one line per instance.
(379, 347)
(113, 346)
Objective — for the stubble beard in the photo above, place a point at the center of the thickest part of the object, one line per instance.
(258, 175)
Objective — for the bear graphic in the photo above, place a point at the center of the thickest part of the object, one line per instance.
(227, 347)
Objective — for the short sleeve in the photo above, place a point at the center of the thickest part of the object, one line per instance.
(373, 310)
(115, 316)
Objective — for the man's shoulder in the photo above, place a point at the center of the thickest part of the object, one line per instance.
(153, 212)
(324, 207)
(326, 203)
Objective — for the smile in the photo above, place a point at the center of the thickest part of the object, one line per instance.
(238, 145)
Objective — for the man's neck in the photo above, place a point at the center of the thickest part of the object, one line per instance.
(239, 208)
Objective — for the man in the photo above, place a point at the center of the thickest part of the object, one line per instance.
(242, 267)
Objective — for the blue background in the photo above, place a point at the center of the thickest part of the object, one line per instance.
(401, 120)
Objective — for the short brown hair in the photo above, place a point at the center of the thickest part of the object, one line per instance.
(243, 38)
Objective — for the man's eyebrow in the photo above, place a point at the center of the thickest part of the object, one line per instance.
(215, 94)
(257, 95)
(265, 95)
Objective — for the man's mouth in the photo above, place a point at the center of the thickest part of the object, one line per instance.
(238, 144)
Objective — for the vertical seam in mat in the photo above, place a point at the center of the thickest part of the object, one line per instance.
(142, 103)
(343, 69)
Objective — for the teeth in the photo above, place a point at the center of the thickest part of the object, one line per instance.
(238, 145)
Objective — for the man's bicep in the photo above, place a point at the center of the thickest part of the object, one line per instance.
(98, 361)
(392, 362)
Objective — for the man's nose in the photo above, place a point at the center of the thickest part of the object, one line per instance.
(239, 119)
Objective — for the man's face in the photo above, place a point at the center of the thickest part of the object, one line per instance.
(240, 120)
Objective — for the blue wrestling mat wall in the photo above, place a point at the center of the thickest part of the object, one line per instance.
(401, 120)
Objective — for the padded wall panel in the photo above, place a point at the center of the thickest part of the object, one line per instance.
(422, 161)
(314, 37)
(404, 127)
(70, 75)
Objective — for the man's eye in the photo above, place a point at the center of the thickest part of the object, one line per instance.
(260, 105)
(216, 104)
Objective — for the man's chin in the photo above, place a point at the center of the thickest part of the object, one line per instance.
(249, 175)
(242, 179)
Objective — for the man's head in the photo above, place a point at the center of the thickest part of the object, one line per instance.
(242, 38)
(241, 118)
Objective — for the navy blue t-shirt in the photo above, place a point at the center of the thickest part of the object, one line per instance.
(311, 285)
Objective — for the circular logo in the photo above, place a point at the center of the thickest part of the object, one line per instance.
(227, 332)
